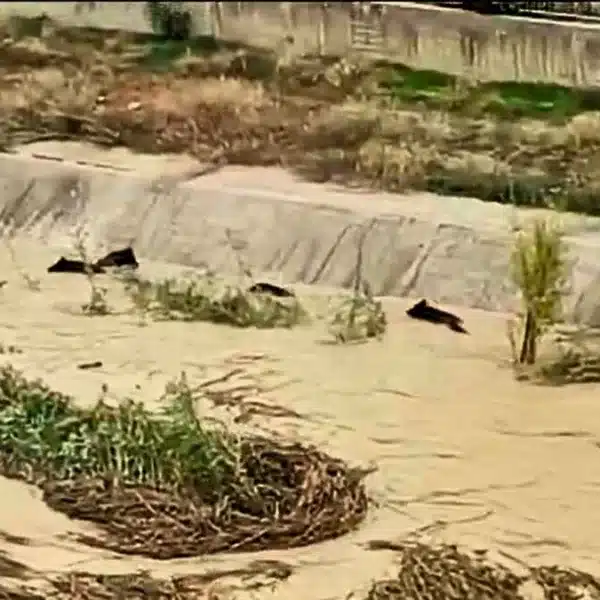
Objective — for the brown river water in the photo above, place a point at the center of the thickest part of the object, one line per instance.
(465, 454)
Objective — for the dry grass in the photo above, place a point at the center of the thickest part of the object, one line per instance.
(444, 571)
(235, 93)
(325, 120)
(97, 304)
(222, 584)
(73, 90)
(519, 161)
(570, 364)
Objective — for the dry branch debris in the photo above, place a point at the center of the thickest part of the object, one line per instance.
(302, 496)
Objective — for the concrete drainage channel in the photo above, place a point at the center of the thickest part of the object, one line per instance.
(451, 250)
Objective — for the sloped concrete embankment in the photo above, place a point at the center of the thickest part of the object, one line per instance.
(451, 250)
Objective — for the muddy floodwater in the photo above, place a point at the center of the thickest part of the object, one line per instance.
(464, 453)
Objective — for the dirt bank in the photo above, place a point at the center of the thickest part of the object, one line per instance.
(356, 124)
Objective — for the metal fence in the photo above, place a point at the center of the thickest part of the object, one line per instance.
(547, 9)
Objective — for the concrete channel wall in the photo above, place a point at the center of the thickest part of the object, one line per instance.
(452, 250)
(424, 37)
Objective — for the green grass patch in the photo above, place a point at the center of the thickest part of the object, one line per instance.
(45, 435)
(505, 99)
(407, 85)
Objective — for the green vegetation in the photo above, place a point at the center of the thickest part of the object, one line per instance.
(502, 99)
(359, 317)
(540, 271)
(43, 433)
(97, 304)
(166, 484)
(204, 298)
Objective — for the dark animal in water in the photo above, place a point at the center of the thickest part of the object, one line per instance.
(90, 365)
(66, 265)
(119, 258)
(271, 289)
(424, 311)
